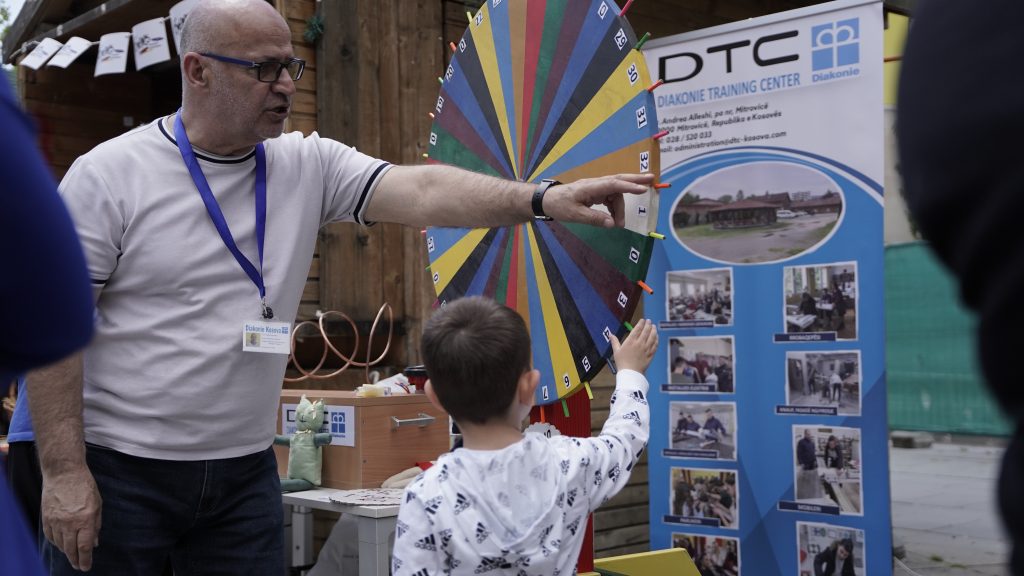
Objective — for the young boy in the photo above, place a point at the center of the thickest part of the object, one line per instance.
(508, 502)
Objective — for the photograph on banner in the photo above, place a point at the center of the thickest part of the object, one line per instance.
(702, 430)
(698, 298)
(826, 471)
(822, 383)
(757, 212)
(713, 555)
(827, 550)
(703, 497)
(821, 299)
(701, 365)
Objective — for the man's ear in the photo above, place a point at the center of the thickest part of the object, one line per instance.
(194, 73)
(428, 389)
(527, 387)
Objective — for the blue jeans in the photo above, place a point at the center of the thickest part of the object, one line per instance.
(207, 516)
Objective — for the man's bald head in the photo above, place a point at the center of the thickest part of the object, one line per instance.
(217, 24)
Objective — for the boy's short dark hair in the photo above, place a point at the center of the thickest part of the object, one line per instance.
(475, 350)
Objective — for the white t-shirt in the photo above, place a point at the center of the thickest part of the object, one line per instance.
(521, 510)
(165, 376)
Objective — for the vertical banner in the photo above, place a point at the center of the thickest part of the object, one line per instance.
(769, 439)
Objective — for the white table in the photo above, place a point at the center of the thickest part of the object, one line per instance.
(375, 525)
(702, 315)
(801, 321)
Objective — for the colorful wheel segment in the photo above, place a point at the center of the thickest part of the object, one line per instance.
(549, 89)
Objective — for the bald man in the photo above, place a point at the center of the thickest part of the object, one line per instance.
(199, 229)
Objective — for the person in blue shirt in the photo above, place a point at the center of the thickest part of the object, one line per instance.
(713, 426)
(23, 473)
(48, 311)
(45, 298)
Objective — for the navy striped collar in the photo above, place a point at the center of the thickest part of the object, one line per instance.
(203, 154)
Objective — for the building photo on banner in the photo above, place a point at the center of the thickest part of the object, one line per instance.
(770, 427)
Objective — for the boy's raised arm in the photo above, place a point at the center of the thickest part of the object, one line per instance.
(624, 436)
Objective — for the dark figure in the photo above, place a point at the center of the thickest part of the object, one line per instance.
(681, 492)
(837, 556)
(964, 193)
(833, 453)
(805, 452)
(807, 305)
(839, 300)
(714, 427)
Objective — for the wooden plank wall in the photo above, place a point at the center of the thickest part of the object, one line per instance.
(75, 111)
(303, 116)
(377, 78)
(303, 119)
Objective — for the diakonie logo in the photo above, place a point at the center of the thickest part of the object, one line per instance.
(835, 45)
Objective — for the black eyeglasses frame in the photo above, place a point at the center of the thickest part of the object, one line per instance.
(263, 68)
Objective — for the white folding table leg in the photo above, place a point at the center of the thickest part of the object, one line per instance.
(374, 545)
(302, 536)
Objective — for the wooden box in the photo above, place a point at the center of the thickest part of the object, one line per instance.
(374, 438)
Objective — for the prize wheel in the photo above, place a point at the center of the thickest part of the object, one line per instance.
(549, 89)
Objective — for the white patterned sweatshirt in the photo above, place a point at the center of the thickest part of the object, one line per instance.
(521, 510)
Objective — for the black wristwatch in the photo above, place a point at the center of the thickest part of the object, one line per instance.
(538, 199)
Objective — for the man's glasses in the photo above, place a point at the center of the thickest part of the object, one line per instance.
(266, 71)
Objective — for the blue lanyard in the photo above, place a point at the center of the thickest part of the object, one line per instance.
(218, 217)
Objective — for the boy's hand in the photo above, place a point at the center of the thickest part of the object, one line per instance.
(639, 347)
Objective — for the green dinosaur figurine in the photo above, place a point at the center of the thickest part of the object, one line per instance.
(305, 455)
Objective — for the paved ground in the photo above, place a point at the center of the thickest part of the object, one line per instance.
(944, 509)
(785, 238)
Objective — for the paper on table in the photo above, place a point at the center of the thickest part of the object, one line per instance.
(369, 497)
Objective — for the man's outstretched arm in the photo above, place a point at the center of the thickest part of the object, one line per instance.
(439, 195)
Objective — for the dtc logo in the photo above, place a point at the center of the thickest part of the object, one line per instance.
(835, 44)
(338, 423)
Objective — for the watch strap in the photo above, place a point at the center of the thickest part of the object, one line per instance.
(538, 198)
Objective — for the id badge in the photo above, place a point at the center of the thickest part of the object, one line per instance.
(266, 337)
